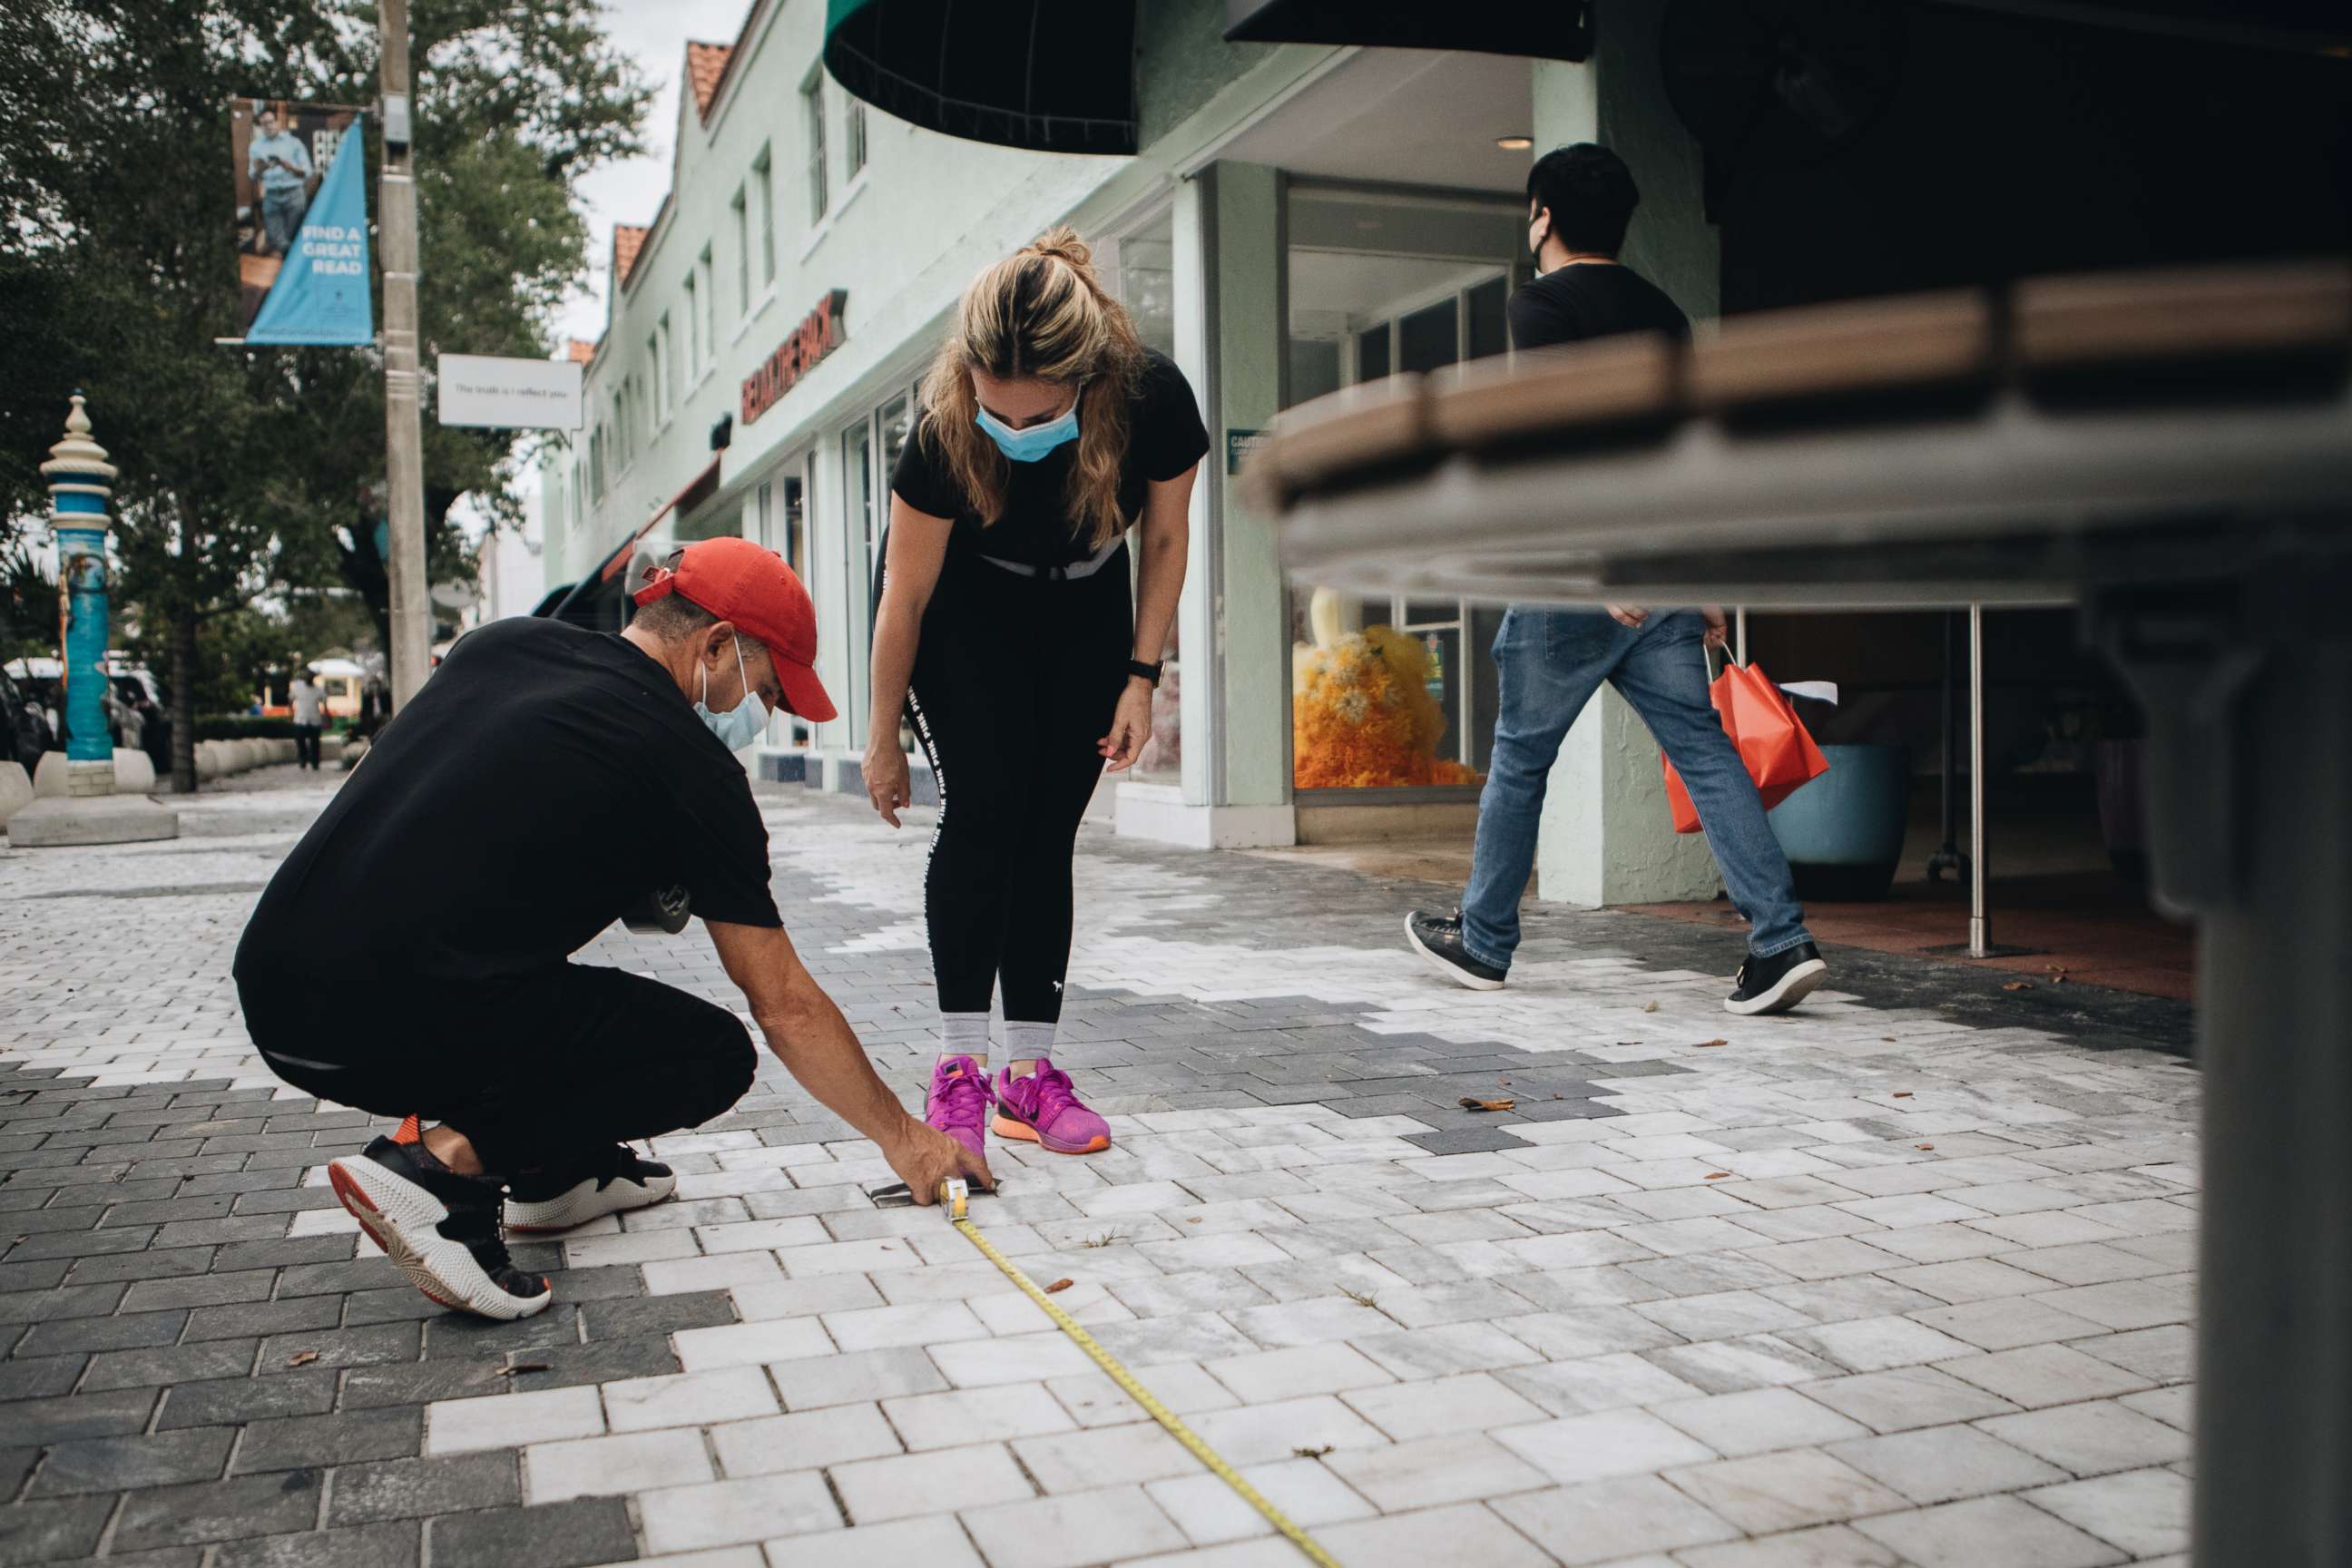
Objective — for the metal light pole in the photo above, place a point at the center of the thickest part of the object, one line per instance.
(1979, 918)
(411, 615)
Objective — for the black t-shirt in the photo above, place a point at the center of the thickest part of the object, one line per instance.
(543, 780)
(1590, 300)
(1165, 437)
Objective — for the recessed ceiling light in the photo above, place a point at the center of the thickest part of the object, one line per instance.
(1515, 143)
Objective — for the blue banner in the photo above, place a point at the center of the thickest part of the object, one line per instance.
(319, 294)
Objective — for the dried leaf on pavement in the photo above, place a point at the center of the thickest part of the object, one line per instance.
(301, 1358)
(1471, 1102)
(1058, 1285)
(1704, 1044)
(1305, 1453)
(1649, 1007)
(2019, 986)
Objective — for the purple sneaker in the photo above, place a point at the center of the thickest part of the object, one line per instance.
(958, 1098)
(1044, 1109)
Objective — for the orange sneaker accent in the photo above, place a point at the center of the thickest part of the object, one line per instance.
(409, 1132)
(1005, 1127)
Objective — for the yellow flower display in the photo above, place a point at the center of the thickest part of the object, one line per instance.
(1361, 711)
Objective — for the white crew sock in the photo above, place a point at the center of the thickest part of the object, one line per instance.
(1026, 1041)
(966, 1034)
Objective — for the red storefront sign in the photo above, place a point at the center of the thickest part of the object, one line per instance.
(821, 332)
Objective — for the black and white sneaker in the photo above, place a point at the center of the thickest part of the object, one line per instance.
(1777, 984)
(439, 1227)
(1438, 938)
(612, 1181)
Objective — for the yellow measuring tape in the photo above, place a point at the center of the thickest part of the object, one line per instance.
(954, 1197)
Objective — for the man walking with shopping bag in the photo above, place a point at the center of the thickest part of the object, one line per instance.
(1580, 200)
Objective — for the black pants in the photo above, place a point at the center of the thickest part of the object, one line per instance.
(1015, 681)
(306, 746)
(553, 1070)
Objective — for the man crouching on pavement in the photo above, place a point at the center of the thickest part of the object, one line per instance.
(545, 780)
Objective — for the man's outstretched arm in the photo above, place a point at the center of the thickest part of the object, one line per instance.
(815, 1044)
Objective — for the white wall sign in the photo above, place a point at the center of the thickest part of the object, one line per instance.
(510, 393)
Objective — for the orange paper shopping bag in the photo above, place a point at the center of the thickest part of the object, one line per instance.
(1771, 738)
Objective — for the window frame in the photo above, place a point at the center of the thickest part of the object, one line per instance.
(740, 210)
(763, 169)
(812, 123)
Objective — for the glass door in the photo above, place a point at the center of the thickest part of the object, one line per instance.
(1392, 693)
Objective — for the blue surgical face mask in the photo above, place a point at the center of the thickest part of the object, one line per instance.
(740, 725)
(1028, 445)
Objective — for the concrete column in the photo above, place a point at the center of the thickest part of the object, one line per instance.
(1606, 836)
(1233, 625)
(80, 485)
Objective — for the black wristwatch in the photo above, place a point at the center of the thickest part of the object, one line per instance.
(1150, 672)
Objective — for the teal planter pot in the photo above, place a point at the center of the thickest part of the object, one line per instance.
(1843, 832)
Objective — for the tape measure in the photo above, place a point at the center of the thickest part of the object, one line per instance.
(955, 1200)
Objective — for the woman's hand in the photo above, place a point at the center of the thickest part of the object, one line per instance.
(1130, 726)
(887, 782)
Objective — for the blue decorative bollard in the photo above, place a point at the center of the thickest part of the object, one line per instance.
(81, 482)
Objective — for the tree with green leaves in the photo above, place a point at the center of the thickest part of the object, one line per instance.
(247, 470)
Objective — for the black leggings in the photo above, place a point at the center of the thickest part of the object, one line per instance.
(1015, 681)
(553, 1071)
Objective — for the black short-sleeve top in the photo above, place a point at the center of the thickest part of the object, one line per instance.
(1165, 437)
(542, 781)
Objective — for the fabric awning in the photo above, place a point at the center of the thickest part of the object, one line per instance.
(1052, 76)
(1553, 30)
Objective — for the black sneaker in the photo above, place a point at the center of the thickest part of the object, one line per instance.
(1777, 984)
(1438, 938)
(609, 1182)
(440, 1227)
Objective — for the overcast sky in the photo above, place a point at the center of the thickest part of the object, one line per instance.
(655, 32)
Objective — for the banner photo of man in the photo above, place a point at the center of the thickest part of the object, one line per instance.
(301, 223)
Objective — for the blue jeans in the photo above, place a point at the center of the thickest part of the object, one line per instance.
(1550, 663)
(281, 217)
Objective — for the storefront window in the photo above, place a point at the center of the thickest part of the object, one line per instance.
(1145, 281)
(1392, 693)
(857, 474)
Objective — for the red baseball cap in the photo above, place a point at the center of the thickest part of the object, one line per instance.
(738, 581)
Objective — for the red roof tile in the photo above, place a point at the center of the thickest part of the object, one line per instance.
(627, 239)
(706, 67)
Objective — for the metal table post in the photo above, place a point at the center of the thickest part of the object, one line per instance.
(1979, 918)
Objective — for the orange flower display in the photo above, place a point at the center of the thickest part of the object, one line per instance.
(1361, 711)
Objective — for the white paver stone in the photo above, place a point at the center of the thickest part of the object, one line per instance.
(688, 1399)
(511, 1420)
(1610, 1521)
(612, 1467)
(1610, 1443)
(804, 1440)
(749, 1344)
(756, 1507)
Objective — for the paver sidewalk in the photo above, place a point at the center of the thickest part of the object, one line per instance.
(1896, 1279)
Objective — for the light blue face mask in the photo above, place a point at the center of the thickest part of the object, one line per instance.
(1028, 445)
(741, 725)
